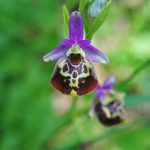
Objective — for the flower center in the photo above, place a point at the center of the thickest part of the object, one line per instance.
(75, 59)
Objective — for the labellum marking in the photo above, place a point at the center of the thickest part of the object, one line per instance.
(76, 72)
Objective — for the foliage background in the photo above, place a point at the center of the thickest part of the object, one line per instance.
(35, 117)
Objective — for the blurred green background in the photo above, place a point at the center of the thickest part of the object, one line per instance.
(35, 117)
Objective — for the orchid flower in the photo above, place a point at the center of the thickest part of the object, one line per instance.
(109, 111)
(74, 71)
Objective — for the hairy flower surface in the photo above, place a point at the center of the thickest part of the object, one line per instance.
(110, 111)
(74, 71)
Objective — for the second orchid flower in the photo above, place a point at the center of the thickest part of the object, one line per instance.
(108, 104)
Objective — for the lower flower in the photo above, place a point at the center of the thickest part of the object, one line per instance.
(110, 114)
(108, 105)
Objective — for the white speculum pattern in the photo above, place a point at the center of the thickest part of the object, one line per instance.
(75, 72)
(79, 70)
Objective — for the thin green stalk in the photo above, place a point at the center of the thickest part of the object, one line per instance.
(124, 85)
(73, 105)
(67, 118)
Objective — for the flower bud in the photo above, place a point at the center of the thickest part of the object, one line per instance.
(96, 7)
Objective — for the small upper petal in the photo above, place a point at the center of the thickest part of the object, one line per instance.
(75, 26)
(57, 53)
(84, 43)
(95, 55)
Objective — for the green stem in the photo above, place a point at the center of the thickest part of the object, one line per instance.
(73, 105)
(124, 85)
(67, 118)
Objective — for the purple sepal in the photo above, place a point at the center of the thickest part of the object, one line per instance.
(105, 87)
(95, 55)
(109, 83)
(75, 26)
(57, 53)
(101, 95)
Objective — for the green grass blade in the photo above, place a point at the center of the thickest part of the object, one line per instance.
(124, 85)
(66, 18)
(82, 6)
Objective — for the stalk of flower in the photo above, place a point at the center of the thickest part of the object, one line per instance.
(108, 104)
(74, 72)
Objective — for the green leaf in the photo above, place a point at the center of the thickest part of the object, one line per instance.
(66, 18)
(82, 6)
(98, 21)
